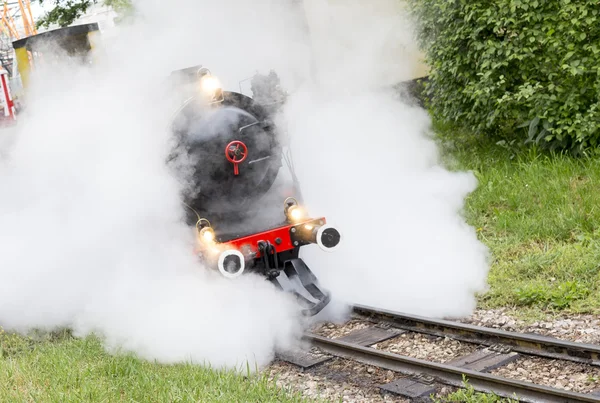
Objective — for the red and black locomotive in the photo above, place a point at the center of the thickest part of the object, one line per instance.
(240, 188)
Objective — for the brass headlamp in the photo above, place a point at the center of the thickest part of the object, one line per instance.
(293, 211)
(210, 86)
(206, 234)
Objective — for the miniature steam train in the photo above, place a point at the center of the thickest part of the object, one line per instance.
(245, 206)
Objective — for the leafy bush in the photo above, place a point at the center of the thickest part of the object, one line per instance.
(521, 69)
(65, 12)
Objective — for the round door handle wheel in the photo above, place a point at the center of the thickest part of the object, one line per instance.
(236, 152)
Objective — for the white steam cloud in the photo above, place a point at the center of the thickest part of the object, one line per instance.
(91, 235)
(90, 221)
(366, 159)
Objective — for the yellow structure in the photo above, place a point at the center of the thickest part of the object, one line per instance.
(76, 41)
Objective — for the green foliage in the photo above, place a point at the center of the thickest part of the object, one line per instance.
(119, 5)
(65, 12)
(124, 9)
(519, 69)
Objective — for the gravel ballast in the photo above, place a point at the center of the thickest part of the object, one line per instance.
(426, 347)
(336, 380)
(335, 331)
(577, 328)
(556, 374)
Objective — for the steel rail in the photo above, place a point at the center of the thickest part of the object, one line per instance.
(447, 374)
(531, 344)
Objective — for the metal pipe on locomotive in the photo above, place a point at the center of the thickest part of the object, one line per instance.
(229, 154)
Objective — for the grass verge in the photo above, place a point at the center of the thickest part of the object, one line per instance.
(66, 369)
(539, 214)
(469, 395)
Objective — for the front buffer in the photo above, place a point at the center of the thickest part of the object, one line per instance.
(273, 252)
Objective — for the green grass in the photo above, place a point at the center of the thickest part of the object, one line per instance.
(469, 395)
(65, 369)
(540, 216)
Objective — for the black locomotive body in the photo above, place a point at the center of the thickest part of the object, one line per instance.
(240, 189)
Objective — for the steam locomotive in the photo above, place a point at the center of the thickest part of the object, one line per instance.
(246, 206)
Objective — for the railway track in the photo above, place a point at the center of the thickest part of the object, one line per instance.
(496, 348)
(531, 344)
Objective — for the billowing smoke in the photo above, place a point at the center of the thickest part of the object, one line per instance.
(91, 231)
(366, 159)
